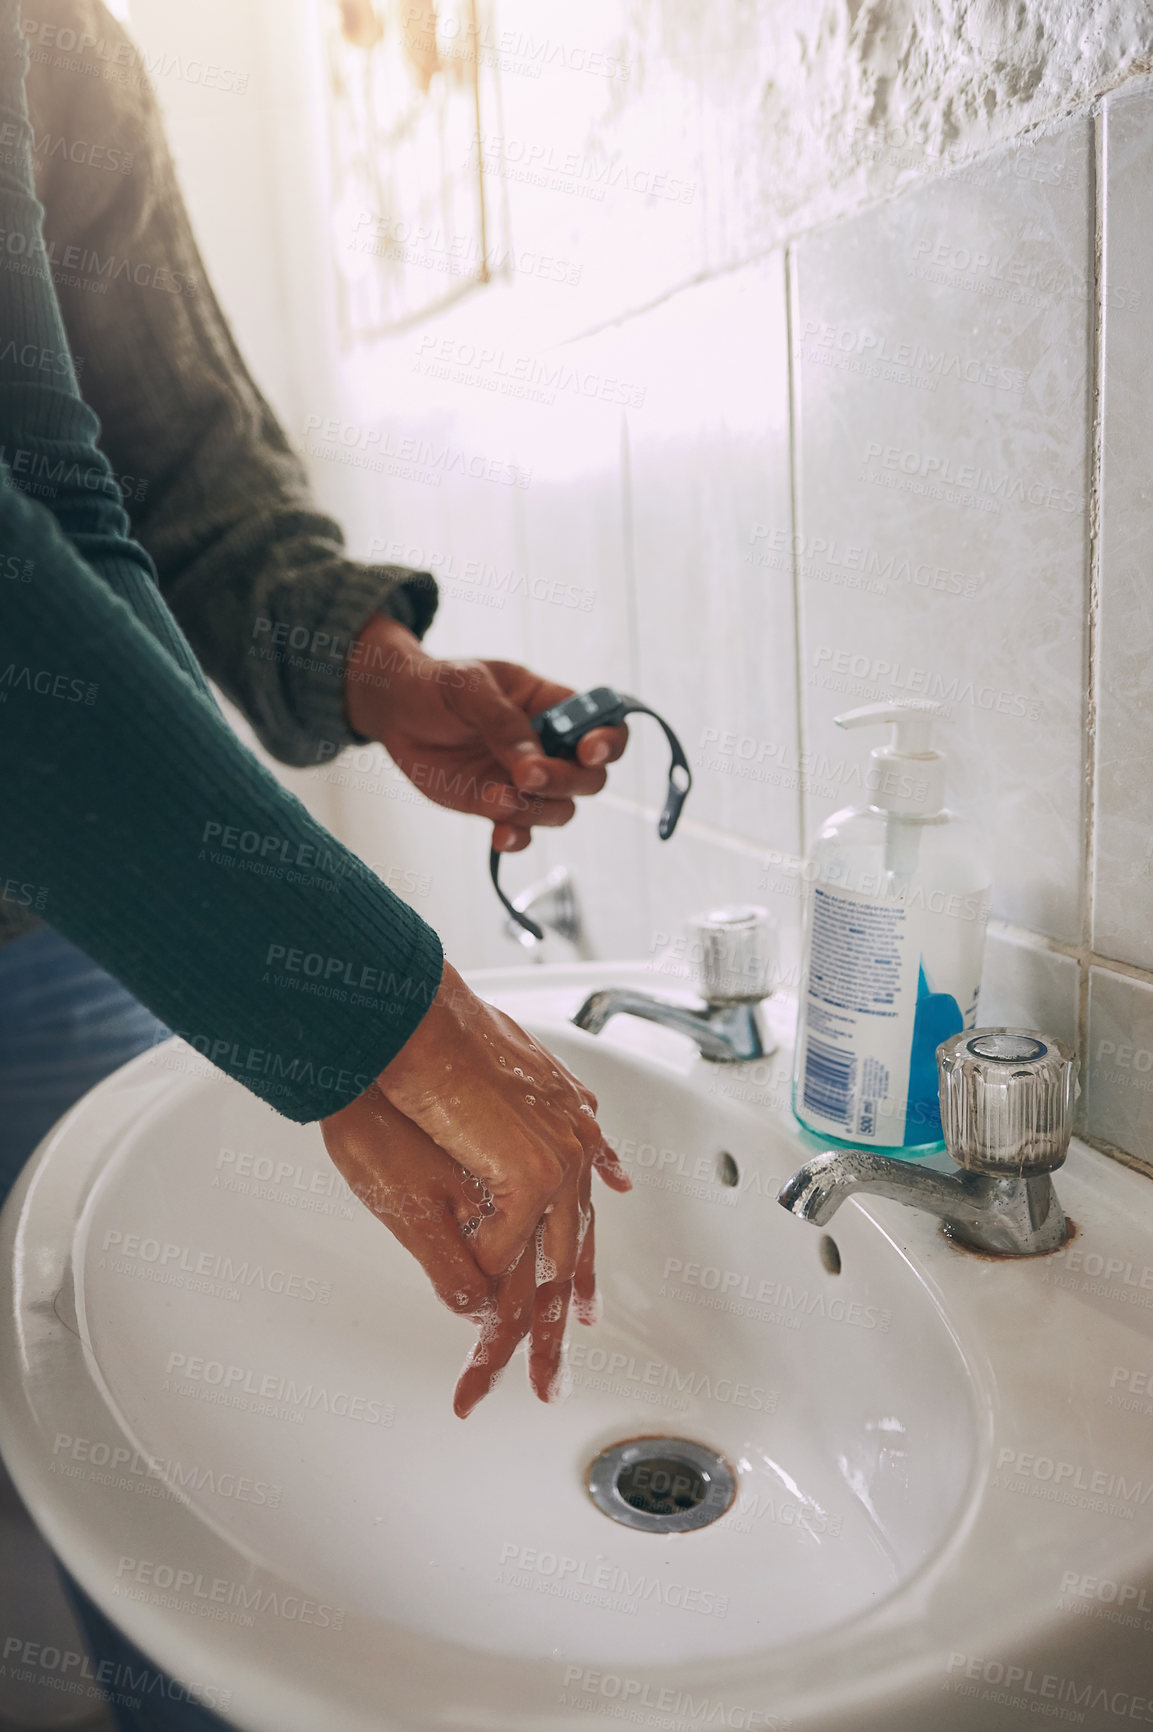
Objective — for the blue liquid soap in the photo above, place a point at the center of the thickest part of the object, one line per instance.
(898, 896)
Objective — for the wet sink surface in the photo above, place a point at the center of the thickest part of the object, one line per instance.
(843, 1402)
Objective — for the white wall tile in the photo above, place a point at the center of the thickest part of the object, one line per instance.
(1117, 1073)
(534, 570)
(708, 465)
(1123, 832)
(942, 347)
(573, 545)
(1023, 985)
(604, 847)
(434, 859)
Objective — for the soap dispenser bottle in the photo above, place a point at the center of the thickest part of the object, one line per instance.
(896, 905)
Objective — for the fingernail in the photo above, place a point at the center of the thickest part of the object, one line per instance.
(463, 1401)
(532, 776)
(597, 753)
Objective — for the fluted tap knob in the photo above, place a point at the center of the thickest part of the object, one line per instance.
(1007, 1099)
(733, 952)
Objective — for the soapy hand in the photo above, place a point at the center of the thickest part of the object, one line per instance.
(476, 1147)
(460, 732)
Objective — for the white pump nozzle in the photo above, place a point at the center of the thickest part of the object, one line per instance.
(908, 776)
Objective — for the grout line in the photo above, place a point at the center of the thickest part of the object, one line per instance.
(1111, 965)
(794, 411)
(1116, 1153)
(1093, 567)
(726, 839)
(698, 280)
(1040, 940)
(750, 849)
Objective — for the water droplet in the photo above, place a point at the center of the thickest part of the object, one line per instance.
(501, 1059)
(531, 1099)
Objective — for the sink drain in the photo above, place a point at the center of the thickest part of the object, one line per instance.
(661, 1485)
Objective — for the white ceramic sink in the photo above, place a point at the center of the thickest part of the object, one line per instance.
(236, 1426)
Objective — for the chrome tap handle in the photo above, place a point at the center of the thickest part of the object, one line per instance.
(1007, 1099)
(733, 953)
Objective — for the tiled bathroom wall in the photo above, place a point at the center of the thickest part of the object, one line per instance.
(900, 456)
(1119, 953)
(760, 449)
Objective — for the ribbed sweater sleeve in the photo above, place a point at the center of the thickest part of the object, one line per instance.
(158, 844)
(150, 836)
(48, 434)
(257, 576)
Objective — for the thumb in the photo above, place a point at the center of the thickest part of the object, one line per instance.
(505, 729)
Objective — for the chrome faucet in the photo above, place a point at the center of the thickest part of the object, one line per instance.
(1006, 1110)
(552, 902)
(732, 956)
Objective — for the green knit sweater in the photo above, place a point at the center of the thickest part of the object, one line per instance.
(129, 811)
(212, 486)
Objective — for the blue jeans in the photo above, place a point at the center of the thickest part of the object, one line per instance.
(64, 1026)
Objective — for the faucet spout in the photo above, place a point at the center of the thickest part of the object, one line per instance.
(733, 953)
(816, 1191)
(1012, 1214)
(727, 1033)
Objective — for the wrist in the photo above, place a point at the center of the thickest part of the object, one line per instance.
(450, 1015)
(405, 1076)
(382, 657)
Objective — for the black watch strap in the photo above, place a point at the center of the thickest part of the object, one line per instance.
(494, 860)
(680, 776)
(561, 730)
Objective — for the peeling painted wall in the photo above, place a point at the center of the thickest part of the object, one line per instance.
(804, 111)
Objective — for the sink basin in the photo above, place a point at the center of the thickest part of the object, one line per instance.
(236, 1425)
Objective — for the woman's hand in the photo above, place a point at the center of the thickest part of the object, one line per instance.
(476, 1147)
(460, 732)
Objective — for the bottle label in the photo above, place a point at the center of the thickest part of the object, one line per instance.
(873, 1017)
